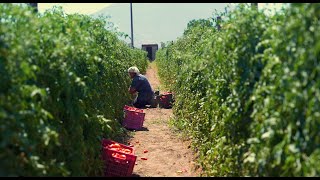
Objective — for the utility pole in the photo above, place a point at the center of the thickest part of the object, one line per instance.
(218, 22)
(131, 26)
(35, 5)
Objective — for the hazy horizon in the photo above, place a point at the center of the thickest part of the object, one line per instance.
(152, 22)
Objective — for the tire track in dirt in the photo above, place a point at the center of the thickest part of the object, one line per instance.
(167, 155)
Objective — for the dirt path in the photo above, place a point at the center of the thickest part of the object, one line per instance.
(167, 155)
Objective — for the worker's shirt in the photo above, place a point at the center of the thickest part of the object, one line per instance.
(142, 86)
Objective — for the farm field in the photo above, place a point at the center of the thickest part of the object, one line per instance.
(246, 95)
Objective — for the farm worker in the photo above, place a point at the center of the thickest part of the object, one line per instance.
(141, 85)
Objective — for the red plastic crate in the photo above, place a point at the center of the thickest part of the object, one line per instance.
(166, 100)
(133, 118)
(130, 108)
(114, 166)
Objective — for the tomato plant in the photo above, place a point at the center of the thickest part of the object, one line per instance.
(247, 94)
(64, 84)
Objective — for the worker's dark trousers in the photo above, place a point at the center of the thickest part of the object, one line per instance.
(142, 100)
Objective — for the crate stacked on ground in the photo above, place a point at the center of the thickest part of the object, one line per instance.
(133, 118)
(119, 159)
(166, 100)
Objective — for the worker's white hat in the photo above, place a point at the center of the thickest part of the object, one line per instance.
(133, 69)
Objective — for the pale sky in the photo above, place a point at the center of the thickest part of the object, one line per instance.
(81, 8)
(89, 8)
(152, 22)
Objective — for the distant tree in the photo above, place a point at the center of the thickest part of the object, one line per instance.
(35, 5)
(254, 5)
(200, 23)
(163, 45)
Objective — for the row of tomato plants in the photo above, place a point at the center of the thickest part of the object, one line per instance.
(63, 85)
(248, 93)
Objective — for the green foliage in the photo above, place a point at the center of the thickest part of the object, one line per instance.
(248, 94)
(63, 86)
(285, 136)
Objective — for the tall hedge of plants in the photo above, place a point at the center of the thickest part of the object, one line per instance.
(63, 85)
(248, 94)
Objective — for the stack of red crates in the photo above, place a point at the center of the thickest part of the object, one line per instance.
(133, 118)
(117, 162)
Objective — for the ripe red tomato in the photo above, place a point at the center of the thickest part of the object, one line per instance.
(119, 156)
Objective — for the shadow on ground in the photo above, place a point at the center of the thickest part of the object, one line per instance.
(135, 175)
(142, 129)
(123, 139)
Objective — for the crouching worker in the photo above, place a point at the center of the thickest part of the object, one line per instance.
(141, 85)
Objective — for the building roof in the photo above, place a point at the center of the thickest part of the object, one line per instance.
(149, 45)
